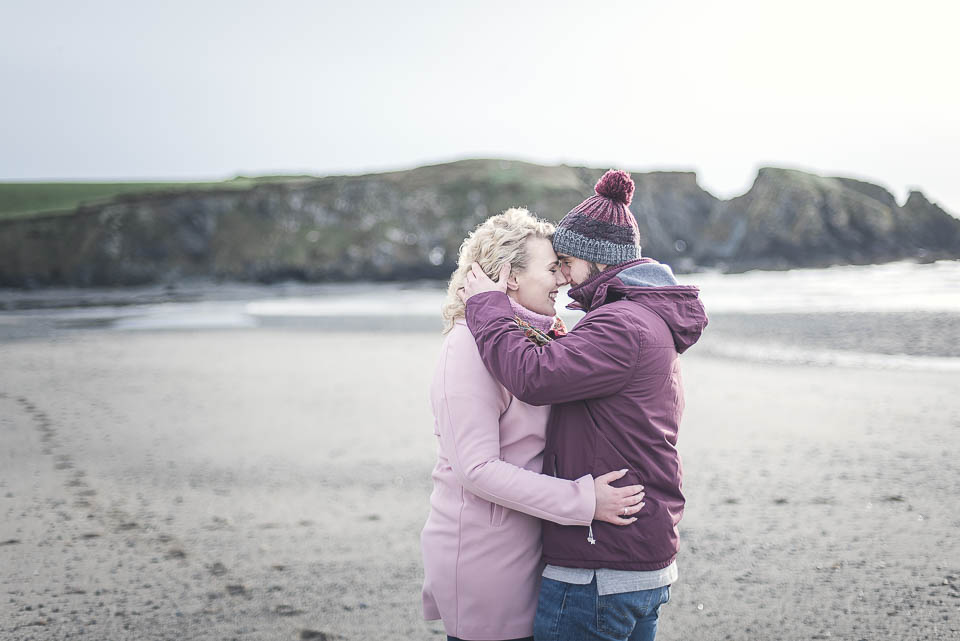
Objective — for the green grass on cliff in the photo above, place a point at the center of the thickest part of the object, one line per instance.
(23, 200)
(31, 199)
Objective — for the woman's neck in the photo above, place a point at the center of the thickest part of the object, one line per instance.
(539, 321)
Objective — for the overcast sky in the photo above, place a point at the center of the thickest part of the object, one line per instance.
(210, 89)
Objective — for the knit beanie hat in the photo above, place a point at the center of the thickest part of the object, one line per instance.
(601, 229)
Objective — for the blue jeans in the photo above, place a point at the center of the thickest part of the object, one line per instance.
(450, 638)
(568, 612)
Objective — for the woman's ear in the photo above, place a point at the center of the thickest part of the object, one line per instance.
(512, 284)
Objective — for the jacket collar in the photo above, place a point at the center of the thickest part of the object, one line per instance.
(654, 287)
(592, 292)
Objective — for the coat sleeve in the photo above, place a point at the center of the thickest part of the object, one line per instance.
(468, 408)
(594, 360)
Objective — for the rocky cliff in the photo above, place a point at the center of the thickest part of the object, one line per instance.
(409, 224)
(791, 218)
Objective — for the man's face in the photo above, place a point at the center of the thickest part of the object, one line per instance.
(577, 270)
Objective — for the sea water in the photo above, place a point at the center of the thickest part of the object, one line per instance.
(899, 315)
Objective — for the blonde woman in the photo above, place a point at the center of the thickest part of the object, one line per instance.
(481, 541)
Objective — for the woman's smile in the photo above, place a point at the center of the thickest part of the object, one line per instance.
(537, 286)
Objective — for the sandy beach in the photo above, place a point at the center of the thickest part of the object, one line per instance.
(272, 483)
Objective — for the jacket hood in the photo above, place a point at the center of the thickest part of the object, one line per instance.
(652, 285)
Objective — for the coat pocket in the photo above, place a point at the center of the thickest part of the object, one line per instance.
(496, 515)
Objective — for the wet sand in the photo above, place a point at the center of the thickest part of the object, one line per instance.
(272, 483)
(917, 333)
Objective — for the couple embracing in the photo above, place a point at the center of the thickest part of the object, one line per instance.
(557, 489)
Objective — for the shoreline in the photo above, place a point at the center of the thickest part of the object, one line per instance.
(899, 286)
(917, 341)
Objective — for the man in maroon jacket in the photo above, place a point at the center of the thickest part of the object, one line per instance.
(615, 386)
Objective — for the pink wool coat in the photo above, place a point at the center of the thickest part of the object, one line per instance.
(481, 542)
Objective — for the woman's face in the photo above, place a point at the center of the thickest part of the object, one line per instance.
(538, 284)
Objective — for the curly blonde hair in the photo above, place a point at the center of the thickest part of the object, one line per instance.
(497, 241)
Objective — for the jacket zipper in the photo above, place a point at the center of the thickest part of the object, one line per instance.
(590, 539)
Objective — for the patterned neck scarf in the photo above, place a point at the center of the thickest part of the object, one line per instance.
(540, 337)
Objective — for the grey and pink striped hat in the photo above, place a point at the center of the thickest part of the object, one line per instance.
(602, 229)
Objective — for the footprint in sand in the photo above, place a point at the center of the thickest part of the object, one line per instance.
(64, 462)
(285, 610)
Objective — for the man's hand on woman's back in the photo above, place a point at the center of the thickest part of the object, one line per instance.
(616, 504)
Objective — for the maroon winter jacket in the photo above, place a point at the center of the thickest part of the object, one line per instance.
(615, 386)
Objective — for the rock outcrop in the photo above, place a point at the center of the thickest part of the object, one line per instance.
(409, 224)
(789, 218)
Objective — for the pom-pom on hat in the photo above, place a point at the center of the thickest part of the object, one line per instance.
(602, 229)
